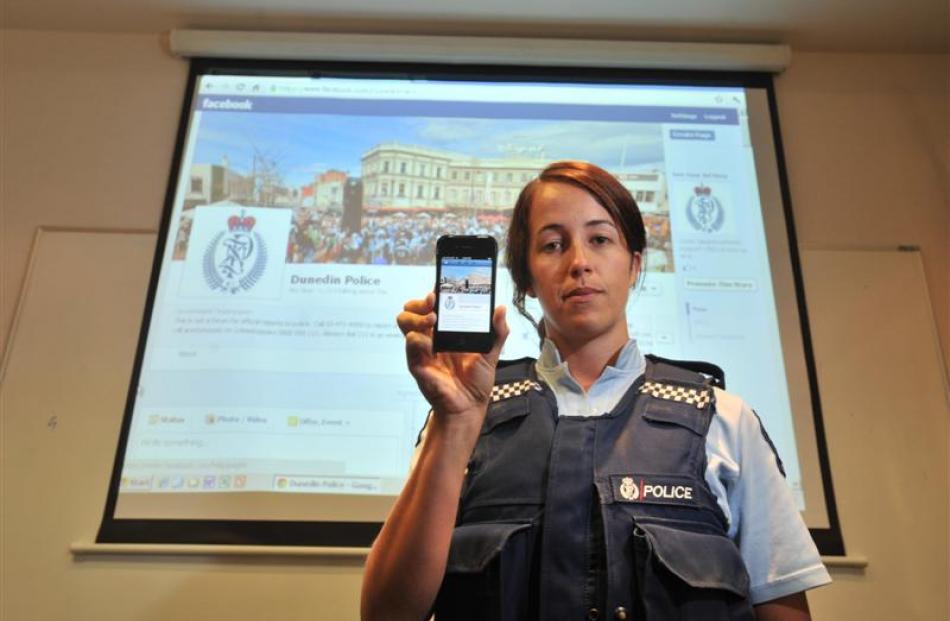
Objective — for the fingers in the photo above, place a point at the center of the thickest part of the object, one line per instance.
(413, 322)
(418, 349)
(417, 315)
(421, 307)
(416, 322)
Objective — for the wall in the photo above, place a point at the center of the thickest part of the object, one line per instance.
(88, 127)
(89, 124)
(887, 426)
(867, 145)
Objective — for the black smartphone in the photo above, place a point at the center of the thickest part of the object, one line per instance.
(464, 293)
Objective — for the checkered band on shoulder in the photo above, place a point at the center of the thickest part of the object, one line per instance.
(507, 391)
(693, 396)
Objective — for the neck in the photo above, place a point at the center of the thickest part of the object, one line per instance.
(587, 360)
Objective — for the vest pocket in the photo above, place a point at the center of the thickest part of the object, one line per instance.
(504, 411)
(679, 414)
(487, 577)
(685, 574)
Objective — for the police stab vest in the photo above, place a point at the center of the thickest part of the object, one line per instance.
(586, 518)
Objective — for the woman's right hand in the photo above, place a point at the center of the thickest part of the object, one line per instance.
(453, 383)
(407, 563)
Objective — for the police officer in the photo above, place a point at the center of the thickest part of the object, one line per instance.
(593, 483)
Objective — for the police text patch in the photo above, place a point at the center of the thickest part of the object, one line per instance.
(654, 489)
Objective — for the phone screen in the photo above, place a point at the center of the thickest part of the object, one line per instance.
(465, 295)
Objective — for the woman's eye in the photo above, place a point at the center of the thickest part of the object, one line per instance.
(551, 246)
(600, 240)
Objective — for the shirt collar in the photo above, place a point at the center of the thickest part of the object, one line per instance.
(629, 361)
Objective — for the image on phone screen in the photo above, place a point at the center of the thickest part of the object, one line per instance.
(464, 294)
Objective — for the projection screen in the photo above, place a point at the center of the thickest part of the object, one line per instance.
(270, 402)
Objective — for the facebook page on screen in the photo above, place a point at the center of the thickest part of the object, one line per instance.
(306, 214)
(464, 295)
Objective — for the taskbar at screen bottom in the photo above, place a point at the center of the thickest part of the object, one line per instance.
(239, 532)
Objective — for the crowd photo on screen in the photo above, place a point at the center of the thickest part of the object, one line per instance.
(389, 200)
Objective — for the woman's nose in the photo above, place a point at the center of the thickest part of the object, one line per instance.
(579, 260)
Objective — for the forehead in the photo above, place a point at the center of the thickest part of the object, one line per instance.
(566, 206)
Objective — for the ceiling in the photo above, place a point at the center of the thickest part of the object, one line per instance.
(811, 25)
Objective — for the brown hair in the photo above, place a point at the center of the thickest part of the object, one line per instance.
(602, 186)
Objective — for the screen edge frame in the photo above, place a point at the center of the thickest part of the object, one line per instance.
(829, 541)
(113, 530)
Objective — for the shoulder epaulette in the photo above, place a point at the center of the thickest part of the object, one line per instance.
(699, 397)
(513, 389)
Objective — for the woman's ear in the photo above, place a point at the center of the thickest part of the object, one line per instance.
(636, 264)
(529, 291)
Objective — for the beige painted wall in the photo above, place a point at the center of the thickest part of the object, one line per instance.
(867, 146)
(88, 125)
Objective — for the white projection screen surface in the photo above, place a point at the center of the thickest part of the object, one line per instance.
(270, 401)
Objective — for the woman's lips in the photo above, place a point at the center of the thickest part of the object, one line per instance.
(582, 293)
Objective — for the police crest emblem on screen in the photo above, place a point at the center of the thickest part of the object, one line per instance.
(235, 259)
(704, 211)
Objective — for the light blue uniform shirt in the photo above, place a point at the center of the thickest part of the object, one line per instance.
(604, 394)
(763, 519)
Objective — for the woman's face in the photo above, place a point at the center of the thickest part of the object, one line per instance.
(581, 270)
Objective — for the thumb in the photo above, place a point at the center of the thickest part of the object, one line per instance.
(500, 325)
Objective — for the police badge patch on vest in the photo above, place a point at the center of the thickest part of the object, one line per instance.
(654, 489)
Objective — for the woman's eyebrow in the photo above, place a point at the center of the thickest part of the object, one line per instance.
(600, 223)
(550, 227)
(554, 226)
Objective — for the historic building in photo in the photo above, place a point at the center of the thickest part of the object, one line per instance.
(214, 183)
(397, 176)
(406, 177)
(328, 190)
